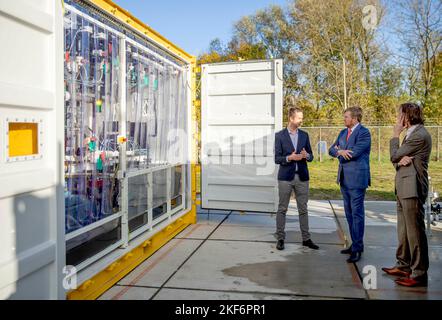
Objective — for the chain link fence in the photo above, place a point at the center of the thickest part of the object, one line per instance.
(321, 138)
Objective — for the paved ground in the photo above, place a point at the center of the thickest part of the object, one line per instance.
(229, 255)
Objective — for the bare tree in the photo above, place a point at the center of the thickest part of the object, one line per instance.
(421, 33)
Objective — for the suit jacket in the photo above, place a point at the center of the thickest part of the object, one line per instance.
(284, 147)
(412, 181)
(356, 171)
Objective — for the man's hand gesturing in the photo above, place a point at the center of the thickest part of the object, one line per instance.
(304, 154)
(295, 157)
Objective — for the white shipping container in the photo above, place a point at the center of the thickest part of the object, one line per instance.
(94, 146)
(96, 138)
(241, 111)
(31, 122)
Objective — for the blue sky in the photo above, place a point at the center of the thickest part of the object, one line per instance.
(192, 24)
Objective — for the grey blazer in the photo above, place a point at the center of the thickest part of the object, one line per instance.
(412, 181)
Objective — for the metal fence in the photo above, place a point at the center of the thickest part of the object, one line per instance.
(321, 138)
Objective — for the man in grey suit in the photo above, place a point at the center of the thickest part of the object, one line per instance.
(411, 162)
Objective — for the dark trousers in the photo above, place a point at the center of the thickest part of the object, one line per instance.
(412, 252)
(355, 214)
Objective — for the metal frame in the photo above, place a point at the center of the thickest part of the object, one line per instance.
(121, 35)
(41, 146)
(118, 263)
(378, 142)
(123, 147)
(170, 212)
(98, 256)
(142, 29)
(140, 46)
(92, 226)
(124, 174)
(111, 267)
(368, 126)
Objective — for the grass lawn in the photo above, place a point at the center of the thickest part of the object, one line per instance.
(323, 180)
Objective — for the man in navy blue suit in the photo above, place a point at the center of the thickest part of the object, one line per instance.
(352, 148)
(292, 152)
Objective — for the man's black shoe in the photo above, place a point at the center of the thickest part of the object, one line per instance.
(355, 257)
(346, 251)
(310, 244)
(280, 245)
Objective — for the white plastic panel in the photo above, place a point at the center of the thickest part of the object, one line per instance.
(31, 95)
(241, 111)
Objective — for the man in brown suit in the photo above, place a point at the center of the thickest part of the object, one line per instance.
(411, 162)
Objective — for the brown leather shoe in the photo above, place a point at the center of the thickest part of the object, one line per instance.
(396, 272)
(413, 282)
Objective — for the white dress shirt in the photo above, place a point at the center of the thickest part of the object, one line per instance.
(294, 136)
(354, 128)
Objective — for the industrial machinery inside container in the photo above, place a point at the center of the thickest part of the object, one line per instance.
(126, 146)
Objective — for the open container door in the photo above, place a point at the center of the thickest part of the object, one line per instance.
(241, 109)
(31, 150)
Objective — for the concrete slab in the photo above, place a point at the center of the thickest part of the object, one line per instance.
(128, 293)
(201, 210)
(384, 219)
(315, 221)
(210, 218)
(386, 287)
(384, 212)
(381, 223)
(387, 207)
(380, 235)
(260, 234)
(436, 238)
(259, 267)
(206, 223)
(252, 220)
(380, 248)
(320, 208)
(252, 213)
(240, 261)
(160, 266)
(212, 211)
(183, 294)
